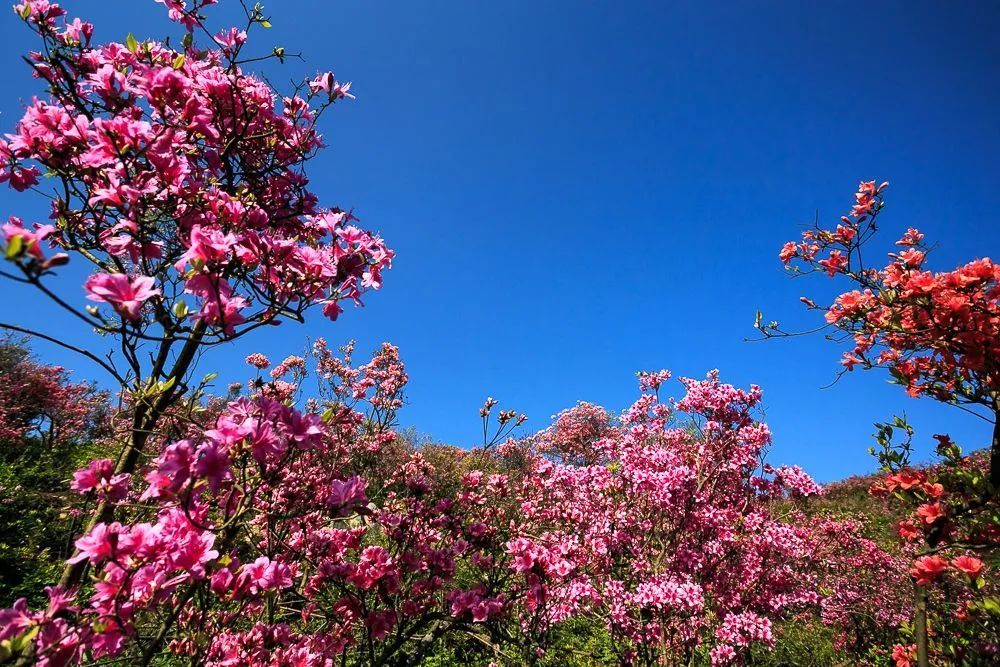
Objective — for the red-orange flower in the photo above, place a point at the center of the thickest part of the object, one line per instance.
(970, 565)
(930, 512)
(903, 655)
(907, 530)
(905, 481)
(928, 569)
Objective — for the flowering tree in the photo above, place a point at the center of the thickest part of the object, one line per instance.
(49, 426)
(39, 403)
(179, 178)
(938, 334)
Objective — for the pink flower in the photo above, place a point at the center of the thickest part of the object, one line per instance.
(326, 82)
(213, 465)
(797, 481)
(373, 566)
(834, 263)
(345, 494)
(100, 475)
(42, 12)
(78, 31)
(865, 198)
(99, 544)
(928, 569)
(31, 240)
(788, 252)
(744, 629)
(16, 620)
(969, 565)
(911, 237)
(178, 11)
(723, 654)
(380, 623)
(228, 39)
(258, 361)
(126, 295)
(219, 305)
(265, 575)
(207, 246)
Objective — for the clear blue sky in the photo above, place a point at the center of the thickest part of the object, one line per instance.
(579, 190)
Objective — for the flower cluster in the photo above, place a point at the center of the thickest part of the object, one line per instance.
(937, 333)
(631, 522)
(39, 401)
(180, 178)
(314, 534)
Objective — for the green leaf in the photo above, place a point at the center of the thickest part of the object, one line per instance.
(265, 23)
(25, 11)
(208, 378)
(24, 641)
(180, 309)
(179, 61)
(131, 44)
(991, 606)
(15, 247)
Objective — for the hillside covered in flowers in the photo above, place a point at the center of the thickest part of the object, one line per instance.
(287, 520)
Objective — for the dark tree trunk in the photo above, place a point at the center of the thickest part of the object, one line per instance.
(920, 624)
(995, 447)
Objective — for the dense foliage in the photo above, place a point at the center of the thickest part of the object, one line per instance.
(49, 427)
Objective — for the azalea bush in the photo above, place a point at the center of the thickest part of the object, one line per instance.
(668, 539)
(938, 335)
(178, 178)
(302, 529)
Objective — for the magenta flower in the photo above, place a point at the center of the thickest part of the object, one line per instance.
(326, 82)
(265, 575)
(348, 493)
(99, 544)
(126, 295)
(100, 475)
(206, 246)
(32, 239)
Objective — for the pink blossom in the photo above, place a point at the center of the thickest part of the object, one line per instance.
(258, 361)
(99, 475)
(126, 295)
(326, 82)
(31, 239)
(345, 494)
(265, 575)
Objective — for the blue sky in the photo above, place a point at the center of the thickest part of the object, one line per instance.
(579, 190)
